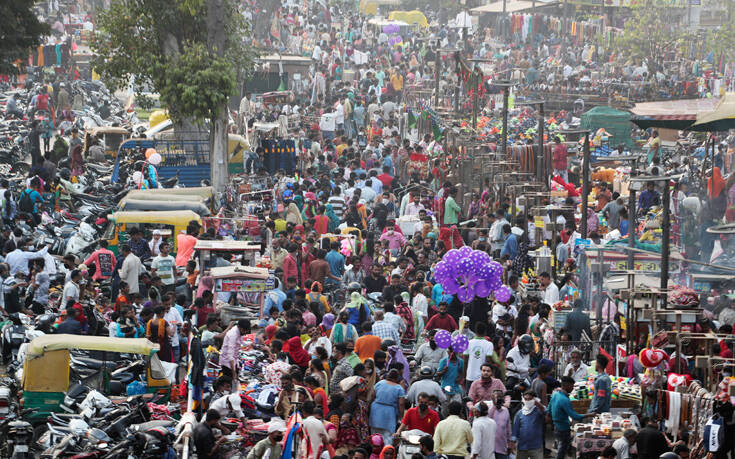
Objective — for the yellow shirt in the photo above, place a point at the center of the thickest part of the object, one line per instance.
(452, 435)
(397, 81)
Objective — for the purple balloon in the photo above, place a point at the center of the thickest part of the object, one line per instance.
(443, 339)
(494, 283)
(479, 257)
(465, 294)
(503, 293)
(451, 256)
(496, 267)
(484, 271)
(465, 251)
(450, 286)
(391, 28)
(460, 343)
(482, 289)
(466, 266)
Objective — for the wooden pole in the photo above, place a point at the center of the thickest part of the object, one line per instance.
(631, 230)
(437, 72)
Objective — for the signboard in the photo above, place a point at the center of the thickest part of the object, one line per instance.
(634, 3)
(642, 265)
(247, 285)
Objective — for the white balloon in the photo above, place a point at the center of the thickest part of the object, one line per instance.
(137, 177)
(155, 159)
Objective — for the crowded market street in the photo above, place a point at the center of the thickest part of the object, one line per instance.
(376, 229)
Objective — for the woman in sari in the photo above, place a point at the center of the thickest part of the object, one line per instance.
(404, 310)
(333, 219)
(293, 214)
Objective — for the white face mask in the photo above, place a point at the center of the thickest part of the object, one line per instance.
(528, 404)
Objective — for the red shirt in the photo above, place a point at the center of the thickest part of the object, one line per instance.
(560, 157)
(289, 268)
(386, 179)
(445, 323)
(413, 420)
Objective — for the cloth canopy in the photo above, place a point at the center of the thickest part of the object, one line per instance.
(616, 122)
(721, 118)
(670, 114)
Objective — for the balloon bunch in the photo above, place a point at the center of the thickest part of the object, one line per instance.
(443, 340)
(469, 273)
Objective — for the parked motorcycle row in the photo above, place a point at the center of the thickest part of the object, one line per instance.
(62, 412)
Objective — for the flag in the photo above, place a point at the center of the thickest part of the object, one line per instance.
(437, 132)
(412, 120)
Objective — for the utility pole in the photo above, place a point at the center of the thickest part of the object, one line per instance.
(585, 182)
(437, 72)
(541, 158)
(475, 97)
(502, 32)
(504, 138)
(665, 238)
(631, 228)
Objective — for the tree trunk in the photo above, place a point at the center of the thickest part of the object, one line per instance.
(219, 160)
(217, 11)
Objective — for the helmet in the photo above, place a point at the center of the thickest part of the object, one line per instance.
(669, 455)
(65, 173)
(354, 286)
(426, 370)
(525, 344)
(44, 322)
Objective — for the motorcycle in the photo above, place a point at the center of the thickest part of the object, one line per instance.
(13, 335)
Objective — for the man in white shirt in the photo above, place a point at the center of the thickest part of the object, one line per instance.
(18, 259)
(164, 266)
(315, 430)
(551, 291)
(576, 369)
(483, 433)
(496, 231)
(71, 288)
(623, 444)
(477, 350)
(415, 205)
(130, 269)
(174, 321)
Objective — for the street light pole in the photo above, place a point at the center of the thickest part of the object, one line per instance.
(506, 91)
(541, 158)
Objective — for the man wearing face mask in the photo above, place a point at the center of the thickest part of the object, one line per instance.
(429, 354)
(269, 447)
(528, 428)
(425, 385)
(500, 414)
(518, 361)
(419, 417)
(484, 388)
(442, 320)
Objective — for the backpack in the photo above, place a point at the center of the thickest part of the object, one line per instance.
(26, 202)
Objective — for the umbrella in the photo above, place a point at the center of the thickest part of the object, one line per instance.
(721, 118)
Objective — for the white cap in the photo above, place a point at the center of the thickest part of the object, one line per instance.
(276, 426)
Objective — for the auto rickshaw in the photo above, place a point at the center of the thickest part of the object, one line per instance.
(121, 222)
(109, 136)
(47, 365)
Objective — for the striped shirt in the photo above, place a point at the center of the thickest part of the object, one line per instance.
(338, 205)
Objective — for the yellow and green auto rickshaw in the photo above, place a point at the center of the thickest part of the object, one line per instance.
(47, 368)
(120, 224)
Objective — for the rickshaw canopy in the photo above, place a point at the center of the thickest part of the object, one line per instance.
(47, 343)
(170, 217)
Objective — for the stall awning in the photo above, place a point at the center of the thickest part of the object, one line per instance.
(510, 6)
(670, 114)
(721, 118)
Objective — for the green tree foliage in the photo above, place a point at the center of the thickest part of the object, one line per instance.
(164, 44)
(721, 41)
(652, 35)
(190, 51)
(19, 33)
